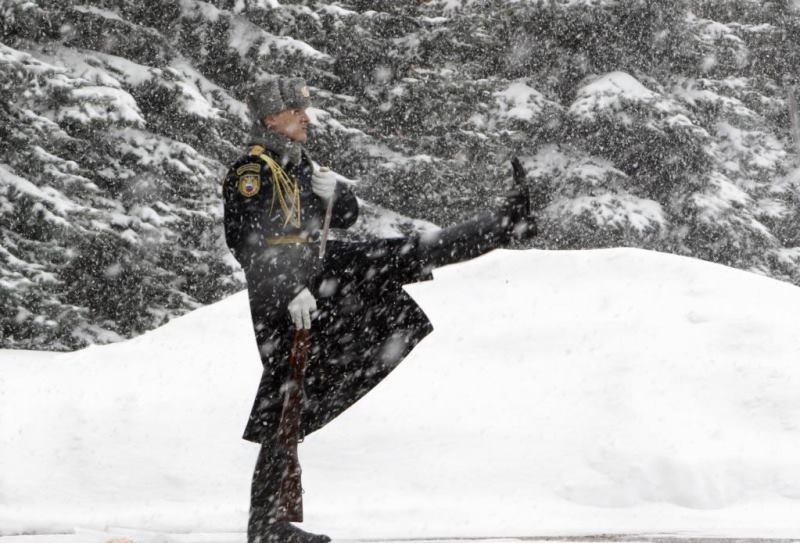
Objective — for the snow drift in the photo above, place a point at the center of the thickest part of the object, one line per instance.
(561, 392)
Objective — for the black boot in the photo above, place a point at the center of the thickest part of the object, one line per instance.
(286, 532)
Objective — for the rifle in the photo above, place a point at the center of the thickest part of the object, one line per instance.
(290, 496)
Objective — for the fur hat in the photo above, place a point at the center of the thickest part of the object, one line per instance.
(270, 96)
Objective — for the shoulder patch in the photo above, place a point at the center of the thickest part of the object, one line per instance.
(250, 167)
(249, 184)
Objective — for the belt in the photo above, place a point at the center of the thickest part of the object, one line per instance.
(281, 240)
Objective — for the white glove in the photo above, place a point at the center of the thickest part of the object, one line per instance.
(323, 183)
(300, 309)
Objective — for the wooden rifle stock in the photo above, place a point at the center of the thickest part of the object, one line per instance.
(290, 498)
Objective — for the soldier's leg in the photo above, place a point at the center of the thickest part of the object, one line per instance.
(484, 232)
(466, 240)
(263, 525)
(264, 491)
(398, 261)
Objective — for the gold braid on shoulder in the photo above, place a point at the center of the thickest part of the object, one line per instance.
(286, 191)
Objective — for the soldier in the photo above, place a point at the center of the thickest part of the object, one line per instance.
(364, 324)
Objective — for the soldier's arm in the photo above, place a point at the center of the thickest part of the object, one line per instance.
(246, 194)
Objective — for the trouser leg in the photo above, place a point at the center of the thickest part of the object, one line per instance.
(465, 240)
(264, 493)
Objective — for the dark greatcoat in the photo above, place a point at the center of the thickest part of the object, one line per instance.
(365, 325)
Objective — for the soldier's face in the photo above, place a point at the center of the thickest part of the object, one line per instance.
(292, 123)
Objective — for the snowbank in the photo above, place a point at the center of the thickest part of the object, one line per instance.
(561, 392)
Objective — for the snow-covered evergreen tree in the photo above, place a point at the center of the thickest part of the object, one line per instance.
(656, 124)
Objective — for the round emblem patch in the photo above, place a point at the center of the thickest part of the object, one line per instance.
(249, 185)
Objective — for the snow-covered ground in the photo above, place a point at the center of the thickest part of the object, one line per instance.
(561, 393)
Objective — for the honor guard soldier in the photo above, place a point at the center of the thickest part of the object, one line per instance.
(361, 322)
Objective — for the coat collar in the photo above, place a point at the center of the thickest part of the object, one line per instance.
(289, 151)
